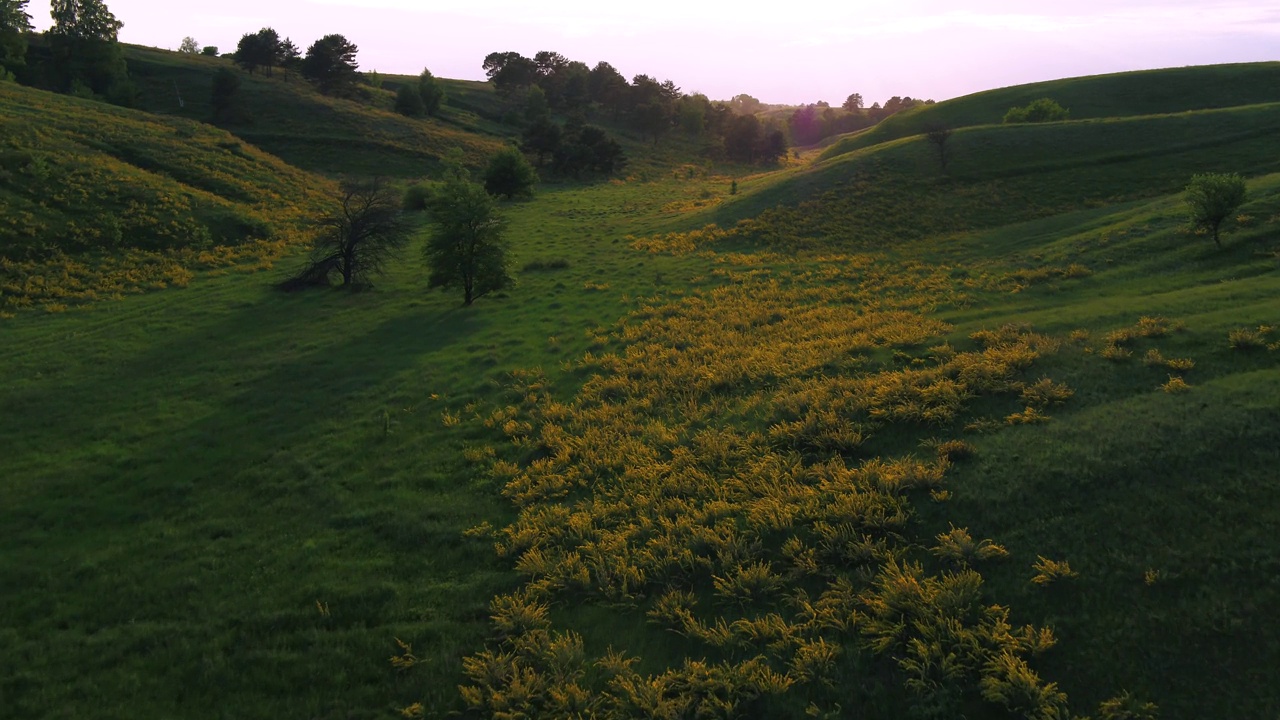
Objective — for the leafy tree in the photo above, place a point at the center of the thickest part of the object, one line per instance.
(509, 71)
(356, 238)
(541, 138)
(259, 50)
(1042, 110)
(409, 101)
(289, 55)
(466, 247)
(86, 50)
(1212, 198)
(806, 125)
(853, 103)
(940, 135)
(84, 20)
(742, 138)
(744, 104)
(331, 64)
(226, 89)
(535, 105)
(15, 23)
(431, 91)
(189, 46)
(607, 87)
(509, 174)
(209, 50)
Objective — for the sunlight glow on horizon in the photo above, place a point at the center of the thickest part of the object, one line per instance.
(921, 48)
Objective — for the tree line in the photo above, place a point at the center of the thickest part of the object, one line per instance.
(552, 83)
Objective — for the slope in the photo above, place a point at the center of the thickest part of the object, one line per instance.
(1150, 92)
(101, 200)
(285, 116)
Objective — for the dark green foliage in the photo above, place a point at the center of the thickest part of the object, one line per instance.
(1212, 198)
(409, 101)
(87, 59)
(15, 23)
(1042, 110)
(260, 50)
(536, 107)
(853, 102)
(357, 238)
(509, 71)
(222, 98)
(431, 91)
(542, 138)
(209, 51)
(509, 174)
(466, 248)
(587, 148)
(747, 140)
(417, 197)
(331, 64)
(940, 136)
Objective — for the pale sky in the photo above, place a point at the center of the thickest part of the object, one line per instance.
(779, 52)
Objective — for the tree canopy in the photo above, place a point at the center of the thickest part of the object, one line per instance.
(466, 248)
(331, 64)
(260, 50)
(84, 20)
(1212, 198)
(355, 239)
(15, 23)
(509, 174)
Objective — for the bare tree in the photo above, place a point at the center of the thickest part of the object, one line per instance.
(940, 135)
(356, 239)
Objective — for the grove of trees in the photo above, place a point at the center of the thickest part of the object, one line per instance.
(15, 23)
(330, 63)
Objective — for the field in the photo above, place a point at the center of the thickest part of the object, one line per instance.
(866, 439)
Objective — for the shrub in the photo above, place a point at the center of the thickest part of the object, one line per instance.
(1042, 110)
(417, 197)
(509, 174)
(1211, 199)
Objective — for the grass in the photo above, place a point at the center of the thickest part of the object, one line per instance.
(221, 497)
(286, 117)
(1151, 92)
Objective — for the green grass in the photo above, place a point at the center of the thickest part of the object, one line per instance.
(285, 116)
(225, 501)
(1149, 92)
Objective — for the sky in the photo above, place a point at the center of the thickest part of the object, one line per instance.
(778, 52)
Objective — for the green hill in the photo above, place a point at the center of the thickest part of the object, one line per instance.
(100, 200)
(1150, 92)
(895, 191)
(885, 442)
(285, 116)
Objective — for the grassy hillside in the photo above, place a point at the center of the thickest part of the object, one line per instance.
(1150, 92)
(100, 200)
(285, 116)
(994, 443)
(895, 191)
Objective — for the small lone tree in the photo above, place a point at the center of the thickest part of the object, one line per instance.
(357, 238)
(409, 101)
(1212, 198)
(189, 46)
(331, 64)
(509, 174)
(431, 91)
(466, 248)
(940, 135)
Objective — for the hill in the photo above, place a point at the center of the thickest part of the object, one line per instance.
(887, 442)
(101, 200)
(286, 117)
(1150, 92)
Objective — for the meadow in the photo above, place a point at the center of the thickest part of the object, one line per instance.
(862, 440)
